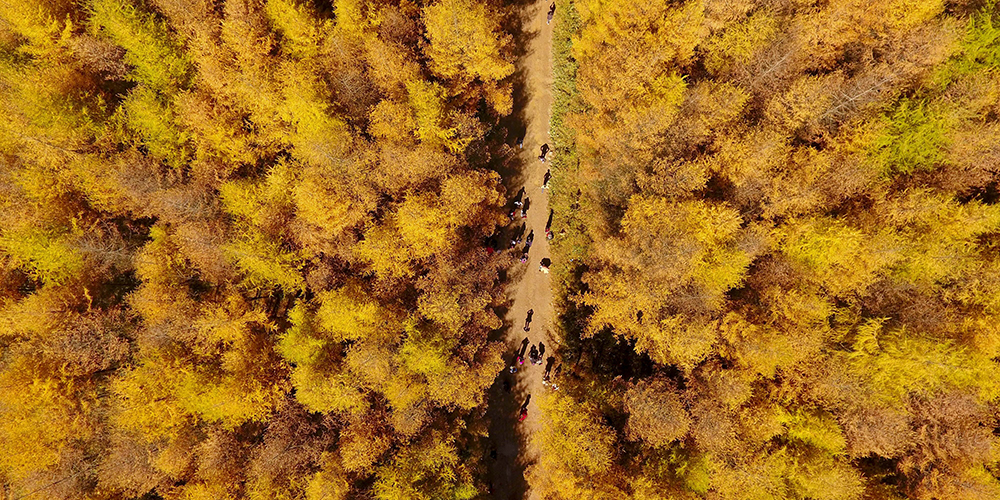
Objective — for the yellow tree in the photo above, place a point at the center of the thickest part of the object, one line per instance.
(150, 49)
(428, 468)
(577, 450)
(670, 255)
(656, 414)
(466, 44)
(45, 25)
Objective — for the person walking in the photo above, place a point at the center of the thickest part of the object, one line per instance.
(545, 151)
(527, 319)
(552, 13)
(533, 355)
(545, 179)
(530, 238)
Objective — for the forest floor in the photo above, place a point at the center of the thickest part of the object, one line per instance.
(527, 287)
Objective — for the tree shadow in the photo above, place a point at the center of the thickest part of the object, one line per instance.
(511, 130)
(509, 390)
(506, 395)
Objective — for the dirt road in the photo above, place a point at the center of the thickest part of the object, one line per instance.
(527, 288)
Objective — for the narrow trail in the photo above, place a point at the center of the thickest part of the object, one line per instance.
(528, 288)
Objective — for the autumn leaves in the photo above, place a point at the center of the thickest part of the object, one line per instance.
(260, 222)
(776, 215)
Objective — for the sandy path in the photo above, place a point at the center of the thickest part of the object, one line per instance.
(527, 288)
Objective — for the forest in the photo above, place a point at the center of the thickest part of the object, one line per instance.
(780, 260)
(247, 249)
(241, 247)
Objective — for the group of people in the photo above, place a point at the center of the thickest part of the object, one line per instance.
(537, 352)
(520, 207)
(535, 355)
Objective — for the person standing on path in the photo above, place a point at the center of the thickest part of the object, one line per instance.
(543, 266)
(527, 319)
(545, 151)
(552, 13)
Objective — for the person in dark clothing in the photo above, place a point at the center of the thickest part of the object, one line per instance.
(527, 319)
(533, 355)
(545, 179)
(545, 151)
(541, 352)
(552, 13)
(548, 368)
(530, 238)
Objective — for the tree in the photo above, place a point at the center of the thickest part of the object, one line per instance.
(149, 48)
(466, 45)
(428, 469)
(575, 446)
(656, 414)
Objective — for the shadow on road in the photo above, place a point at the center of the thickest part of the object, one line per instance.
(508, 392)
